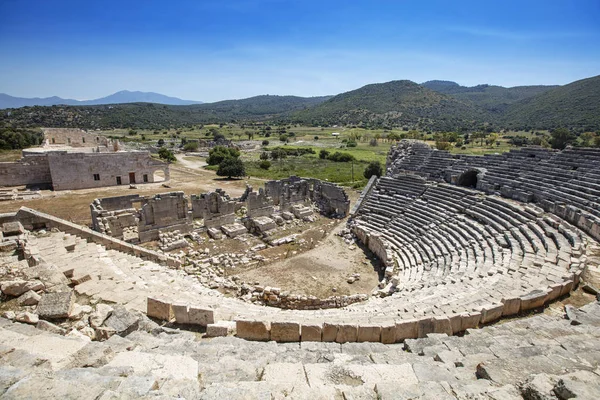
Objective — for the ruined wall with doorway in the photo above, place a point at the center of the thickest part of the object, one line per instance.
(89, 170)
(137, 218)
(216, 208)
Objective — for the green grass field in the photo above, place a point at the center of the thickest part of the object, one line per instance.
(315, 138)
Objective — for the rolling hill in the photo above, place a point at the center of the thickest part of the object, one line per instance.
(576, 105)
(156, 116)
(495, 99)
(124, 96)
(395, 103)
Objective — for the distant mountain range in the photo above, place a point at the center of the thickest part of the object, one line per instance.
(124, 96)
(430, 106)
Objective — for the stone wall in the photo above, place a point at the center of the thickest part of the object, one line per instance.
(32, 169)
(165, 213)
(330, 198)
(216, 208)
(118, 217)
(74, 138)
(258, 204)
(88, 170)
(32, 219)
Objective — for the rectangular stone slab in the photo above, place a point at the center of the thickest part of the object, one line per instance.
(285, 331)
(200, 316)
(369, 333)
(160, 309)
(253, 330)
(311, 332)
(56, 305)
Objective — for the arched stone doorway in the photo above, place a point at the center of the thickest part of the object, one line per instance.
(468, 178)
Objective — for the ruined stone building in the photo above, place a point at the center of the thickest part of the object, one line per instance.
(74, 159)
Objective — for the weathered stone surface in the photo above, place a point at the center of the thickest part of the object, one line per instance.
(122, 321)
(388, 333)
(12, 228)
(50, 327)
(158, 308)
(56, 305)
(512, 306)
(330, 332)
(18, 287)
(406, 329)
(220, 328)
(347, 333)
(369, 333)
(491, 312)
(98, 317)
(285, 331)
(80, 279)
(104, 333)
(27, 317)
(200, 316)
(181, 312)
(29, 298)
(311, 332)
(253, 330)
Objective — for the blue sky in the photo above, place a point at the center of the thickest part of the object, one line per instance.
(214, 50)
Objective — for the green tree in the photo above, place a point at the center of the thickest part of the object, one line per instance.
(190, 146)
(587, 138)
(218, 153)
(231, 167)
(561, 138)
(166, 154)
(161, 142)
(492, 138)
(265, 164)
(374, 168)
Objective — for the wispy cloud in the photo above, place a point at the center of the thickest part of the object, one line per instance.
(516, 35)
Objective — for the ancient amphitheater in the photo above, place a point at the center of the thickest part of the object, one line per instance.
(478, 256)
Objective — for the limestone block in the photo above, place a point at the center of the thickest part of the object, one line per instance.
(455, 323)
(8, 246)
(181, 312)
(220, 328)
(347, 333)
(311, 332)
(369, 333)
(470, 320)
(441, 324)
(554, 293)
(18, 287)
(491, 312)
(201, 316)
(56, 305)
(388, 333)
(233, 230)
(566, 288)
(512, 306)
(12, 228)
(330, 332)
(406, 329)
(160, 309)
(98, 317)
(29, 298)
(425, 326)
(285, 331)
(253, 330)
(79, 280)
(533, 300)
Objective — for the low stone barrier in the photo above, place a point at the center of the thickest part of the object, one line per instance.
(396, 331)
(179, 312)
(32, 219)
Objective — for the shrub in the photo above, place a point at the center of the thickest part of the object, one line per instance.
(166, 154)
(190, 146)
(278, 153)
(265, 164)
(316, 138)
(341, 157)
(373, 142)
(443, 145)
(323, 154)
(351, 143)
(265, 142)
(219, 153)
(264, 155)
(231, 167)
(374, 168)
